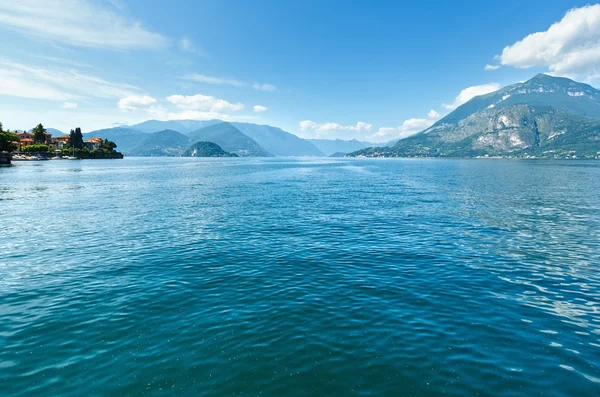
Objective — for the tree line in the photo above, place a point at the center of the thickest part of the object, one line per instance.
(9, 140)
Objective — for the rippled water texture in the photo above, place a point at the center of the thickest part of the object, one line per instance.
(278, 277)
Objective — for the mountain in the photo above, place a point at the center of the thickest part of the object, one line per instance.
(55, 132)
(277, 141)
(183, 126)
(207, 149)
(542, 90)
(162, 143)
(331, 146)
(126, 138)
(230, 139)
(542, 117)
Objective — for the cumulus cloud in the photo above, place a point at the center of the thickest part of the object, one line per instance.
(204, 103)
(330, 128)
(260, 108)
(433, 114)
(201, 78)
(491, 67)
(569, 47)
(69, 105)
(407, 128)
(81, 23)
(134, 102)
(471, 92)
(264, 87)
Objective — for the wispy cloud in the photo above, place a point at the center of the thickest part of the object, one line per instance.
(58, 84)
(201, 78)
(264, 87)
(260, 108)
(69, 105)
(80, 23)
(491, 67)
(186, 44)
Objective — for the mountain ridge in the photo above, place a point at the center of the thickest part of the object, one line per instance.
(543, 117)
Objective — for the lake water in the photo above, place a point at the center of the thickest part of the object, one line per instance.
(299, 277)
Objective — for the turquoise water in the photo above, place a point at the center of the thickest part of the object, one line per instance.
(281, 277)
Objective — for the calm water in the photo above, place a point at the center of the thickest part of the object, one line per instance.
(248, 277)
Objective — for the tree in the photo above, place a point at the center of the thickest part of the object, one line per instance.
(39, 134)
(71, 138)
(109, 145)
(8, 140)
(76, 139)
(35, 149)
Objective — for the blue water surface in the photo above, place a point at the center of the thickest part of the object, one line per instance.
(299, 277)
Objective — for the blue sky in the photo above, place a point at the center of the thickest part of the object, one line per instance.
(330, 69)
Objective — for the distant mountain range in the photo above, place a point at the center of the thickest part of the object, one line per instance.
(548, 117)
(174, 137)
(231, 139)
(543, 117)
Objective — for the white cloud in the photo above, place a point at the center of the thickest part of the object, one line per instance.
(135, 102)
(409, 127)
(200, 78)
(570, 46)
(264, 87)
(491, 67)
(81, 23)
(187, 45)
(69, 105)
(331, 128)
(433, 114)
(27, 81)
(471, 92)
(260, 108)
(204, 103)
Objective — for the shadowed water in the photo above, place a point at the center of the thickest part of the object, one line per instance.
(280, 277)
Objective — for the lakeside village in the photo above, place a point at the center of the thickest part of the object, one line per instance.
(39, 145)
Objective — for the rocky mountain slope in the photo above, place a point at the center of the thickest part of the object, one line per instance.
(543, 117)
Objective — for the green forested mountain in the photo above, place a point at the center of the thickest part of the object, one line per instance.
(230, 139)
(162, 143)
(207, 149)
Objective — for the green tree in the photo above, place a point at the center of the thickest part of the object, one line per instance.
(109, 145)
(39, 134)
(8, 140)
(35, 149)
(71, 138)
(78, 138)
